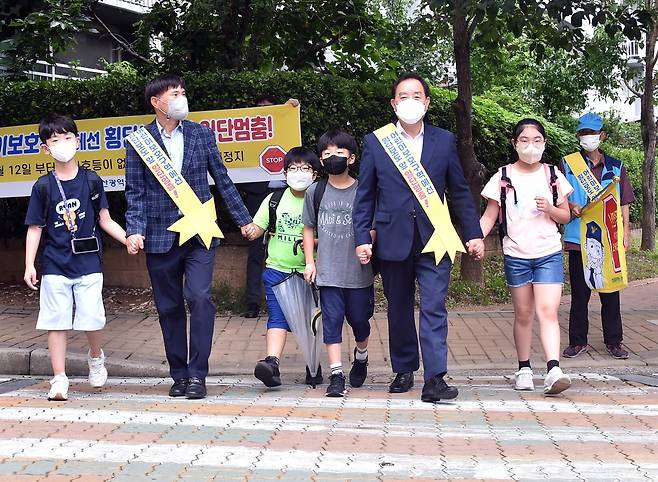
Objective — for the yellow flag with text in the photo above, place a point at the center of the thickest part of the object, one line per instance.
(602, 242)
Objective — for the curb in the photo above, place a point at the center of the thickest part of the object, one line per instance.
(23, 361)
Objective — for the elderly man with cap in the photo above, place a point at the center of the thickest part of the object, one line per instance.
(590, 134)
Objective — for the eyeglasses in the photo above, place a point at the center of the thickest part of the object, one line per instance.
(304, 168)
(537, 141)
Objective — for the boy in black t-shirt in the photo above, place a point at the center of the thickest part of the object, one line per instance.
(67, 205)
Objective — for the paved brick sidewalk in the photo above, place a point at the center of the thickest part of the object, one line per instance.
(601, 429)
(477, 340)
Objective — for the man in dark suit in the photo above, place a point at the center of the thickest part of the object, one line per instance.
(179, 273)
(403, 229)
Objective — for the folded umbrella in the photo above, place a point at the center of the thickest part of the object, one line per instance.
(299, 302)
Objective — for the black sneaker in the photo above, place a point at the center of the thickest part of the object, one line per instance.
(616, 351)
(267, 371)
(336, 386)
(359, 371)
(572, 351)
(314, 380)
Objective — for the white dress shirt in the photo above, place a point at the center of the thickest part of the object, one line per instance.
(414, 143)
(174, 144)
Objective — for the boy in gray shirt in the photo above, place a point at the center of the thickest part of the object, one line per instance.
(346, 285)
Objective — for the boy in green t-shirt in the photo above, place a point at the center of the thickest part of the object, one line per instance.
(300, 169)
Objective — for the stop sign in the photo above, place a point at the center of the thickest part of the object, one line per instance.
(271, 159)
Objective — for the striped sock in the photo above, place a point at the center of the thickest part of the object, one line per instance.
(360, 354)
(336, 368)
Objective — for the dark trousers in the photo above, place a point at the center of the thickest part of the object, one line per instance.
(399, 279)
(256, 255)
(184, 274)
(578, 315)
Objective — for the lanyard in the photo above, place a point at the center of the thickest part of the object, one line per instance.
(69, 217)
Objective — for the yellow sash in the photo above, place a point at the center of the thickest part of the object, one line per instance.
(584, 175)
(198, 219)
(444, 239)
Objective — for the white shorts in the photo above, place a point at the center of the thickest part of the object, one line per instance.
(56, 298)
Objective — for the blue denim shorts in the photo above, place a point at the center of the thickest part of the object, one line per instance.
(545, 270)
(276, 318)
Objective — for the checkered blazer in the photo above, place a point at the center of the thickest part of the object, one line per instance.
(150, 209)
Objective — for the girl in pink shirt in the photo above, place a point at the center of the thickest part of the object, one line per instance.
(535, 200)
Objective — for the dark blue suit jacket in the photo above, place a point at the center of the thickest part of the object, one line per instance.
(383, 195)
(150, 209)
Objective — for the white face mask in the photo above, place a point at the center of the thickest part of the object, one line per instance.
(530, 154)
(178, 108)
(64, 151)
(299, 180)
(410, 111)
(590, 143)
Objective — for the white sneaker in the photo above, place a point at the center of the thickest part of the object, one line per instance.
(59, 388)
(556, 381)
(97, 370)
(523, 379)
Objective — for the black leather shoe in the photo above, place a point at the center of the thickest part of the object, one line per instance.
(436, 389)
(402, 383)
(178, 388)
(196, 388)
(252, 311)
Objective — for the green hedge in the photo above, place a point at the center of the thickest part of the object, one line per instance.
(633, 160)
(327, 102)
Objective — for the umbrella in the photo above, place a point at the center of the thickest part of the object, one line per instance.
(299, 302)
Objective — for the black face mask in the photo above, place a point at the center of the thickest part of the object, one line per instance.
(335, 164)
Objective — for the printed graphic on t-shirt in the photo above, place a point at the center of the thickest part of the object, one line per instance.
(72, 208)
(336, 219)
(288, 227)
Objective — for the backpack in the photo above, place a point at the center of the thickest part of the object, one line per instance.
(94, 182)
(506, 185)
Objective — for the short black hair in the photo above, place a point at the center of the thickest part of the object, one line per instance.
(56, 124)
(266, 98)
(407, 76)
(338, 138)
(162, 84)
(301, 154)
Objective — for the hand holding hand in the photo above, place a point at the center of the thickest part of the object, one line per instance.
(134, 243)
(476, 248)
(30, 277)
(364, 253)
(249, 231)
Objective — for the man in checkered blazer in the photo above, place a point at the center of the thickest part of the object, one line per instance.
(179, 273)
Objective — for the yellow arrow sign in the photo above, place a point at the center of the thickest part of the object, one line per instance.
(198, 218)
(444, 239)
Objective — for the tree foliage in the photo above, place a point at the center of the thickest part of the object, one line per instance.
(43, 33)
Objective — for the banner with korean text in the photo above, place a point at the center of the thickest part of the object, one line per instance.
(252, 143)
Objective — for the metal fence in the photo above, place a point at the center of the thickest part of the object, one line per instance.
(43, 70)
